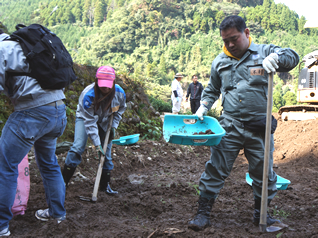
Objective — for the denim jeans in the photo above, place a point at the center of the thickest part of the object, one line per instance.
(38, 127)
(74, 155)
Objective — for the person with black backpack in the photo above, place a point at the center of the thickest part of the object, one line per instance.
(39, 118)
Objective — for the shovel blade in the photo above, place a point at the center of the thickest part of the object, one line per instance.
(276, 227)
(87, 199)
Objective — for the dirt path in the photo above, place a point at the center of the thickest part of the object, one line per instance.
(157, 185)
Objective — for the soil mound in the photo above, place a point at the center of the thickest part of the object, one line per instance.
(157, 185)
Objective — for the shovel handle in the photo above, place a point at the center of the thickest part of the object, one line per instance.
(263, 215)
(101, 162)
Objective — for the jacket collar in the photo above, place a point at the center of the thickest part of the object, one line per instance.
(3, 36)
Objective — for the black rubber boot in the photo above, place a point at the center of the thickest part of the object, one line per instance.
(257, 214)
(202, 218)
(67, 174)
(104, 183)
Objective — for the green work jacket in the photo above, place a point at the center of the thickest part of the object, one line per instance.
(244, 83)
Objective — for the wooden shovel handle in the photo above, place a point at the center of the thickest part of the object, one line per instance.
(263, 215)
(102, 159)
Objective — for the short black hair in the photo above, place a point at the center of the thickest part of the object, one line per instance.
(233, 21)
(1, 31)
(194, 76)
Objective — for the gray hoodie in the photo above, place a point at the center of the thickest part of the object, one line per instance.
(24, 91)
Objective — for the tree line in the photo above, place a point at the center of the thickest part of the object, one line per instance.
(151, 40)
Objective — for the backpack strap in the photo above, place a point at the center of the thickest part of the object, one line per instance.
(19, 26)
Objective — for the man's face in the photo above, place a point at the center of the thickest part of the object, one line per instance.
(179, 78)
(195, 79)
(236, 42)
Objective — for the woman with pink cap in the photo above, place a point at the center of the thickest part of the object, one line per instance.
(97, 103)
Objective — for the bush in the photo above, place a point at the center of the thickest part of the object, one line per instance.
(160, 105)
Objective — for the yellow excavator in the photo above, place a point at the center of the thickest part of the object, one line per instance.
(307, 91)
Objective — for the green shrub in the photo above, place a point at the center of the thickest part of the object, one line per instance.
(213, 112)
(151, 130)
(160, 105)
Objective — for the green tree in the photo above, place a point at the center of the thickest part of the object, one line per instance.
(219, 17)
(85, 15)
(78, 12)
(290, 98)
(301, 24)
(196, 21)
(98, 13)
(286, 20)
(162, 68)
(278, 101)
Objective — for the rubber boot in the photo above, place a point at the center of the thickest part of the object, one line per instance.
(257, 214)
(202, 218)
(67, 174)
(104, 183)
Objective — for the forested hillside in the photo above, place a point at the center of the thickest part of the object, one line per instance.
(151, 40)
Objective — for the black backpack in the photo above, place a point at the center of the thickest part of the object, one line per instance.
(50, 63)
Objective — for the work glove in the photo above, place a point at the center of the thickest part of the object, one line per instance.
(100, 151)
(270, 63)
(202, 111)
(310, 62)
(112, 134)
(178, 99)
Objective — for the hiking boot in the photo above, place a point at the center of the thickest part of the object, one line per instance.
(257, 214)
(67, 174)
(5, 232)
(202, 218)
(104, 183)
(269, 220)
(109, 191)
(44, 215)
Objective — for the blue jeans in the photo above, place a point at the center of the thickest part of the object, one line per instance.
(38, 127)
(74, 156)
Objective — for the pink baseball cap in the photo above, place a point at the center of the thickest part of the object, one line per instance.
(106, 76)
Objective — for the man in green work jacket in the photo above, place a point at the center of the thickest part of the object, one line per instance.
(240, 74)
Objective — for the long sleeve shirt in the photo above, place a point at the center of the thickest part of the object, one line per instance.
(176, 86)
(195, 90)
(24, 92)
(85, 110)
(244, 83)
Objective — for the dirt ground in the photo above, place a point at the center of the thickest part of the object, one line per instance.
(157, 185)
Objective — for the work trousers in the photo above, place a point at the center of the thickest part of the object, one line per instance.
(38, 127)
(176, 105)
(223, 155)
(74, 156)
(195, 104)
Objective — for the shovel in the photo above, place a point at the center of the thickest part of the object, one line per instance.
(100, 165)
(263, 216)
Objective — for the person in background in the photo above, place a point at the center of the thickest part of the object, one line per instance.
(195, 89)
(96, 104)
(177, 93)
(39, 118)
(240, 74)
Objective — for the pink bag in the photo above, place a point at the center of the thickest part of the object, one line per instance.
(23, 188)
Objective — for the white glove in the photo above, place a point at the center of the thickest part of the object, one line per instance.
(270, 63)
(202, 111)
(310, 62)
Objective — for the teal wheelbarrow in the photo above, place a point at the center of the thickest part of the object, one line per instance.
(189, 130)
